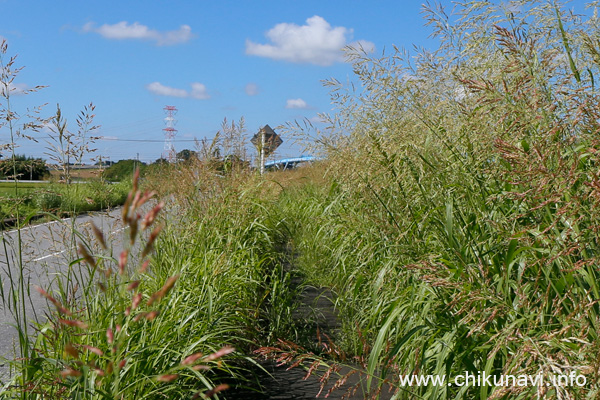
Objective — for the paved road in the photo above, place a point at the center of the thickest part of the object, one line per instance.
(47, 250)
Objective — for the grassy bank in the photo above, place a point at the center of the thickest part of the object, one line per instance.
(458, 227)
(38, 199)
(166, 325)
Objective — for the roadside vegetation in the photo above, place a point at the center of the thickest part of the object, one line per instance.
(459, 226)
(122, 170)
(156, 327)
(454, 219)
(39, 200)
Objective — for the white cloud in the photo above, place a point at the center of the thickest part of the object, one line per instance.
(124, 30)
(296, 103)
(317, 119)
(47, 128)
(198, 91)
(460, 93)
(15, 89)
(162, 90)
(315, 43)
(251, 89)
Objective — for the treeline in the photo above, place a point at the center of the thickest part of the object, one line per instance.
(123, 169)
(23, 168)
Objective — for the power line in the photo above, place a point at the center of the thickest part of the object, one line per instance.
(109, 139)
(145, 140)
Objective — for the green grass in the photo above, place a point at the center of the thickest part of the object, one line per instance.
(221, 254)
(60, 199)
(458, 227)
(456, 223)
(7, 189)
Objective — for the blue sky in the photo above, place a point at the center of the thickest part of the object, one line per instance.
(263, 60)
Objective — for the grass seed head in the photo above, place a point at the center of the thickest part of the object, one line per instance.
(71, 350)
(219, 353)
(61, 309)
(144, 198)
(126, 205)
(70, 372)
(86, 255)
(74, 323)
(163, 291)
(136, 300)
(133, 285)
(167, 377)
(136, 177)
(213, 391)
(189, 360)
(152, 315)
(144, 267)
(123, 261)
(99, 236)
(151, 215)
(93, 349)
(151, 239)
(133, 230)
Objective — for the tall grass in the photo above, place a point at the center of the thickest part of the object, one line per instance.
(128, 327)
(456, 225)
(459, 231)
(18, 126)
(174, 308)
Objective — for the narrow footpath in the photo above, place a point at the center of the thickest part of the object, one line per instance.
(318, 309)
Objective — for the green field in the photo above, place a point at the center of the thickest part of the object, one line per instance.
(7, 189)
(59, 199)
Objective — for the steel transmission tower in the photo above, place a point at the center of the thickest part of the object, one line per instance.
(170, 132)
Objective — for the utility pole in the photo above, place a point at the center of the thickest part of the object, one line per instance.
(262, 151)
(265, 141)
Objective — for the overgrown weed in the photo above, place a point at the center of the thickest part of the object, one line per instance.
(459, 229)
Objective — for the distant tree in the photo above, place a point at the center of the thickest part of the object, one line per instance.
(122, 170)
(186, 155)
(26, 168)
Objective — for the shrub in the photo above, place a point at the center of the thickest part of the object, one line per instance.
(122, 170)
(47, 200)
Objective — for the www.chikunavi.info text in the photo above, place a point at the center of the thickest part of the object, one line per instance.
(485, 379)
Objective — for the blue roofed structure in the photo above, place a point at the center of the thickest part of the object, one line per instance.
(288, 163)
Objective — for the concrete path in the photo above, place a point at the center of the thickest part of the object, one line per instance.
(46, 251)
